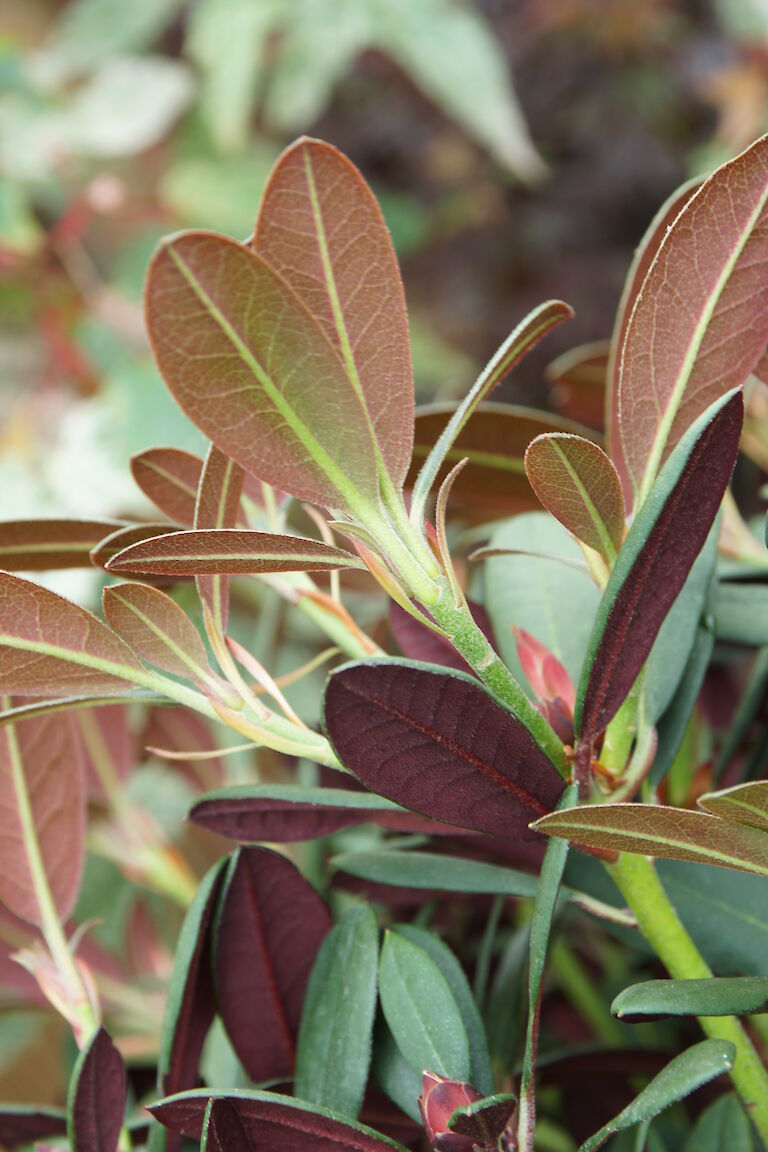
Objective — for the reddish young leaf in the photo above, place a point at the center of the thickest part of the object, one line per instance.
(230, 550)
(578, 484)
(253, 370)
(97, 1096)
(105, 735)
(123, 538)
(274, 1122)
(154, 626)
(269, 926)
(578, 378)
(217, 506)
(38, 545)
(42, 796)
(320, 227)
(742, 804)
(223, 1129)
(658, 553)
(181, 730)
(438, 743)
(22, 1124)
(169, 477)
(676, 361)
(53, 647)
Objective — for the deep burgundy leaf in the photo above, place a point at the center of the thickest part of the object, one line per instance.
(665, 539)
(39, 545)
(439, 743)
(274, 1123)
(420, 643)
(97, 1096)
(224, 1130)
(170, 478)
(269, 927)
(24, 1123)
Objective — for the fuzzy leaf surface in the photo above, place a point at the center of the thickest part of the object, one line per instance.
(154, 626)
(742, 804)
(321, 229)
(223, 1129)
(735, 996)
(97, 1096)
(438, 743)
(24, 1123)
(253, 370)
(123, 538)
(170, 478)
(230, 550)
(39, 545)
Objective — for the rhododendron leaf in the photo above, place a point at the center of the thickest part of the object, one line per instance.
(38, 545)
(437, 742)
(217, 506)
(24, 1123)
(676, 361)
(334, 1045)
(109, 547)
(269, 926)
(272, 1121)
(528, 333)
(577, 483)
(53, 646)
(169, 477)
(658, 553)
(253, 370)
(321, 229)
(223, 1129)
(734, 996)
(230, 550)
(154, 626)
(418, 642)
(667, 833)
(97, 1096)
(743, 804)
(578, 378)
(42, 796)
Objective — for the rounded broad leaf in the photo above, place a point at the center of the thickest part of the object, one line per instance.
(97, 1096)
(156, 629)
(169, 477)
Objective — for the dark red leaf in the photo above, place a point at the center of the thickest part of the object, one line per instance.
(24, 1123)
(224, 1130)
(439, 743)
(418, 642)
(97, 1096)
(269, 927)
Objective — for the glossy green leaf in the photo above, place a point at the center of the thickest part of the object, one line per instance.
(154, 626)
(723, 1127)
(421, 1010)
(724, 996)
(431, 872)
(38, 545)
(229, 550)
(683, 1075)
(254, 371)
(333, 1050)
(743, 804)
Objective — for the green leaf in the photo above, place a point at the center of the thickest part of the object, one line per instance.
(421, 1010)
(723, 1127)
(683, 1075)
(334, 1045)
(741, 613)
(743, 804)
(481, 1072)
(431, 872)
(724, 996)
(393, 1073)
(154, 626)
(672, 727)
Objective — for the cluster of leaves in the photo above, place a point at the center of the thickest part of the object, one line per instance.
(290, 353)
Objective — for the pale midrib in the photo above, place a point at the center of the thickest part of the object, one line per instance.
(63, 546)
(164, 638)
(676, 396)
(315, 450)
(223, 557)
(415, 1008)
(594, 515)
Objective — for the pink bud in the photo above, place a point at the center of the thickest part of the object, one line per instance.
(546, 675)
(439, 1100)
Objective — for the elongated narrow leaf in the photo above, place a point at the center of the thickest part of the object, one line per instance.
(281, 813)
(669, 833)
(223, 1129)
(683, 1075)
(638, 270)
(735, 996)
(230, 550)
(493, 440)
(217, 506)
(334, 1046)
(97, 1096)
(252, 369)
(723, 1127)
(677, 361)
(157, 630)
(743, 804)
(42, 796)
(170, 478)
(321, 229)
(53, 647)
(123, 538)
(279, 1123)
(24, 1123)
(75, 703)
(577, 483)
(37, 545)
(269, 927)
(393, 1073)
(527, 334)
(658, 553)
(432, 872)
(421, 1010)
(438, 743)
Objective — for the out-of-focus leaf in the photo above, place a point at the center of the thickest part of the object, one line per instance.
(219, 192)
(577, 483)
(421, 1010)
(741, 613)
(393, 1073)
(269, 927)
(216, 507)
(672, 727)
(438, 743)
(53, 647)
(279, 1123)
(333, 1051)
(735, 996)
(38, 545)
(658, 553)
(683, 1075)
(743, 804)
(723, 1127)
(578, 378)
(320, 228)
(169, 477)
(154, 626)
(225, 329)
(42, 795)
(669, 833)
(70, 703)
(229, 550)
(223, 1129)
(747, 710)
(97, 1096)
(432, 872)
(676, 362)
(22, 1124)
(20, 232)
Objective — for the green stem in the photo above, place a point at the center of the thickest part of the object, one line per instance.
(579, 988)
(638, 882)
